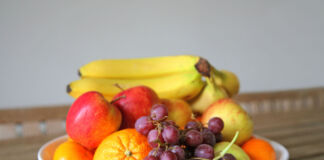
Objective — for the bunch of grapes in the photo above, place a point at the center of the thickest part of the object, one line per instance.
(169, 142)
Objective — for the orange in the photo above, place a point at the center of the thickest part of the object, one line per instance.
(125, 144)
(69, 138)
(259, 149)
(70, 150)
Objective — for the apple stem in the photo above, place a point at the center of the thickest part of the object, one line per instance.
(118, 98)
(227, 147)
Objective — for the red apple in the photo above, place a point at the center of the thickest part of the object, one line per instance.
(179, 111)
(134, 103)
(91, 118)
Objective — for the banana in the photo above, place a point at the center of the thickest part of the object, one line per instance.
(181, 86)
(140, 67)
(209, 94)
(228, 80)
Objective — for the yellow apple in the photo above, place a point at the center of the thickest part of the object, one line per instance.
(179, 111)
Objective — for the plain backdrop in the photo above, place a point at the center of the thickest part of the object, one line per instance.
(269, 44)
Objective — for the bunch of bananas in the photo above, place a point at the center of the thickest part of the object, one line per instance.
(179, 77)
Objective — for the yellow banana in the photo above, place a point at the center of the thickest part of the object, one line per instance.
(139, 67)
(228, 80)
(182, 86)
(209, 94)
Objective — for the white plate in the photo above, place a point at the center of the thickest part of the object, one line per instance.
(46, 152)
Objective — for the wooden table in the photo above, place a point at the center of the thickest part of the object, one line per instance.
(301, 132)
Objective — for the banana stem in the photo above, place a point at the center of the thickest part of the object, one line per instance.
(203, 67)
(217, 73)
(210, 80)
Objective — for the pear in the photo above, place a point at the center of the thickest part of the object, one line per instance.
(234, 117)
(209, 94)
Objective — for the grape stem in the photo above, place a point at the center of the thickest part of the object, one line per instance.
(227, 147)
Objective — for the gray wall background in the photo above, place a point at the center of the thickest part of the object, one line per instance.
(269, 44)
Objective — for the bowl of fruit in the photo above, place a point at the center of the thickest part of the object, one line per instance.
(143, 109)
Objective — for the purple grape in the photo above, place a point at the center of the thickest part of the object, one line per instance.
(193, 125)
(171, 134)
(143, 125)
(228, 156)
(179, 152)
(159, 112)
(204, 151)
(216, 125)
(169, 122)
(156, 152)
(218, 137)
(153, 137)
(150, 158)
(193, 138)
(168, 155)
(208, 137)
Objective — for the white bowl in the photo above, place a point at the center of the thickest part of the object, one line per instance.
(46, 152)
(281, 152)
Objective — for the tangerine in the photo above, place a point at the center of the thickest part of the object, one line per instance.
(126, 144)
(70, 150)
(259, 149)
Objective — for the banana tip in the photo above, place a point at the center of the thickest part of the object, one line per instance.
(79, 73)
(68, 89)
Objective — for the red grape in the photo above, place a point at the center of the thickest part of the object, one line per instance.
(228, 156)
(143, 125)
(156, 152)
(193, 125)
(216, 125)
(179, 152)
(193, 138)
(159, 112)
(150, 158)
(208, 137)
(153, 137)
(170, 134)
(168, 155)
(219, 137)
(204, 151)
(169, 122)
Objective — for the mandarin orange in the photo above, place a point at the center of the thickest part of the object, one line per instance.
(70, 150)
(126, 144)
(259, 149)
